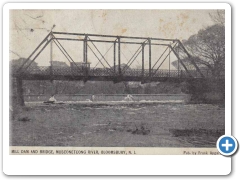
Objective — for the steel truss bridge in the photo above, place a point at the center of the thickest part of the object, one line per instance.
(115, 72)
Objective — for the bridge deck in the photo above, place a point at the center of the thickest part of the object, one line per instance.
(105, 74)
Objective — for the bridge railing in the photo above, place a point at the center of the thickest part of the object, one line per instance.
(39, 70)
(68, 71)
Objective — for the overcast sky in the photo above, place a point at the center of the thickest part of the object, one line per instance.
(29, 27)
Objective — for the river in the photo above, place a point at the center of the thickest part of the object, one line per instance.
(118, 125)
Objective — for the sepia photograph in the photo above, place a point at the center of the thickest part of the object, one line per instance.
(117, 78)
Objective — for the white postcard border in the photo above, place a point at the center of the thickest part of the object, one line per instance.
(113, 165)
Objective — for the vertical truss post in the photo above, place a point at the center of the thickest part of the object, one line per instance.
(119, 56)
(86, 56)
(150, 57)
(169, 70)
(51, 59)
(143, 59)
(86, 49)
(178, 63)
(114, 57)
(51, 67)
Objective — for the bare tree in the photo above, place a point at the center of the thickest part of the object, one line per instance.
(208, 49)
(218, 17)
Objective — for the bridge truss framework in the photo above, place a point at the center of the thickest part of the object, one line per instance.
(114, 73)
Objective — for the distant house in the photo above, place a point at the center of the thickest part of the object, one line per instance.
(80, 65)
(123, 66)
(17, 63)
(59, 64)
(59, 67)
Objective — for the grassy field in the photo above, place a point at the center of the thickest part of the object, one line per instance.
(101, 125)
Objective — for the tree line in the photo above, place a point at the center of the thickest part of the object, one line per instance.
(207, 47)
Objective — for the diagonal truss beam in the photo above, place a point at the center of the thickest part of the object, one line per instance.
(99, 59)
(65, 52)
(38, 50)
(99, 52)
(164, 59)
(127, 66)
(44, 40)
(96, 56)
(160, 57)
(179, 59)
(190, 57)
(104, 54)
(25, 68)
(69, 60)
(130, 61)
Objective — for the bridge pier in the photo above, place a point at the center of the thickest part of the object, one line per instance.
(20, 99)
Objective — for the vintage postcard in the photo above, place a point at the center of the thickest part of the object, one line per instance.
(117, 81)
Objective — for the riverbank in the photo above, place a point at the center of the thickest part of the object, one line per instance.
(117, 125)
